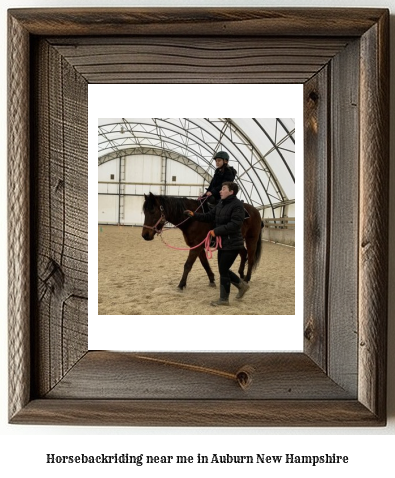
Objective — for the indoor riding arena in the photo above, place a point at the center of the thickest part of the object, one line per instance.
(173, 158)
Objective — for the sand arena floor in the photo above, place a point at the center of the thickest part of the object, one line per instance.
(138, 277)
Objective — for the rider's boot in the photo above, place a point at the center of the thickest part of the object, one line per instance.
(242, 286)
(223, 294)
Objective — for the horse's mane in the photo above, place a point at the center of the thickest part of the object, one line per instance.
(172, 205)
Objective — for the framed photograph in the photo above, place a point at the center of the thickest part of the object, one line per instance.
(341, 57)
(134, 292)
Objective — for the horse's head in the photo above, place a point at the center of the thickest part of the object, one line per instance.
(154, 218)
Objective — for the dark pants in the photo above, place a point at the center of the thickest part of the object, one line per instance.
(225, 261)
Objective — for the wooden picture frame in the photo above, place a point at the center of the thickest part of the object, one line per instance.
(342, 58)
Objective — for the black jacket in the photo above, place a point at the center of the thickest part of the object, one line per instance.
(221, 175)
(228, 217)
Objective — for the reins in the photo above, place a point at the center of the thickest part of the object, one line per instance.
(206, 241)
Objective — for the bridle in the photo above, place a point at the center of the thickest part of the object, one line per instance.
(162, 219)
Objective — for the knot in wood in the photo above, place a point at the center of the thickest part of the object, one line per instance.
(244, 376)
(308, 332)
(313, 96)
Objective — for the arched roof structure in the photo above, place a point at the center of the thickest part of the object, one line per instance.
(261, 150)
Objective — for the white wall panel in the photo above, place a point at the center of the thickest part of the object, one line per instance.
(182, 173)
(134, 210)
(142, 168)
(109, 168)
(105, 188)
(108, 209)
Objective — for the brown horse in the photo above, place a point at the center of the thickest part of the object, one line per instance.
(161, 209)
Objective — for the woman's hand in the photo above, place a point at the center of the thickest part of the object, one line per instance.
(188, 213)
(212, 233)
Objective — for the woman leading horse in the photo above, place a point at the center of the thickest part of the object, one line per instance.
(228, 217)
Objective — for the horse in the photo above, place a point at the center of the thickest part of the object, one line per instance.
(161, 209)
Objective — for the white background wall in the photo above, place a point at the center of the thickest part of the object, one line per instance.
(141, 169)
(23, 449)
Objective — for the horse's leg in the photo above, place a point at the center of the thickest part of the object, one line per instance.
(251, 249)
(243, 256)
(207, 268)
(193, 253)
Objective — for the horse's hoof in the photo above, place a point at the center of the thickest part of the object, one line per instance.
(212, 284)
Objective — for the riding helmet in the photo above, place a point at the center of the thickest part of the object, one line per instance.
(222, 155)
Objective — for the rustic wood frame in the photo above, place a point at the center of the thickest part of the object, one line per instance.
(342, 57)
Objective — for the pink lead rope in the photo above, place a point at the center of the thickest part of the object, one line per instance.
(206, 242)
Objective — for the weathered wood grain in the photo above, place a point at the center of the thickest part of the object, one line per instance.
(61, 214)
(18, 218)
(374, 222)
(260, 22)
(344, 216)
(164, 59)
(316, 214)
(284, 376)
(48, 229)
(202, 413)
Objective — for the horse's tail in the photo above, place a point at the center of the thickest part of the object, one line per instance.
(258, 251)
